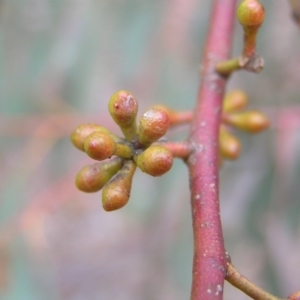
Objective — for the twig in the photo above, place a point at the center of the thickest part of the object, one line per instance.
(179, 149)
(209, 264)
(245, 285)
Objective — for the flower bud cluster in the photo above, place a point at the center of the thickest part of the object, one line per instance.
(251, 121)
(114, 175)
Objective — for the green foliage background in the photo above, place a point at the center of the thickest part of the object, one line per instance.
(60, 61)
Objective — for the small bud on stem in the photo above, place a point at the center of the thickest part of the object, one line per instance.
(123, 108)
(230, 146)
(155, 160)
(234, 101)
(116, 192)
(92, 178)
(251, 15)
(153, 125)
(79, 135)
(100, 145)
(250, 121)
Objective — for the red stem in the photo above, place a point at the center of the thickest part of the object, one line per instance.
(209, 265)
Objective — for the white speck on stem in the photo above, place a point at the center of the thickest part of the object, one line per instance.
(201, 148)
(212, 186)
(219, 289)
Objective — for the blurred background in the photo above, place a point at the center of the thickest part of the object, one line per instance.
(60, 61)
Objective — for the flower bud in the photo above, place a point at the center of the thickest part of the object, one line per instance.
(99, 145)
(230, 146)
(82, 132)
(116, 192)
(123, 108)
(234, 101)
(250, 121)
(251, 14)
(92, 178)
(155, 160)
(153, 125)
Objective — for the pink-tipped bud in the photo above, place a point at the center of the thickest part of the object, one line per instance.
(79, 135)
(123, 108)
(99, 145)
(92, 178)
(153, 125)
(251, 14)
(155, 160)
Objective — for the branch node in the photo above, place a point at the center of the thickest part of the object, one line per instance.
(254, 63)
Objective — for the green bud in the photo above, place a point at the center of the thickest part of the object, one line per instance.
(234, 101)
(251, 14)
(230, 146)
(123, 108)
(116, 192)
(250, 121)
(82, 132)
(99, 145)
(92, 178)
(155, 160)
(153, 125)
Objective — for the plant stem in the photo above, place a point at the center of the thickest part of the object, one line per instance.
(245, 285)
(209, 263)
(249, 43)
(181, 118)
(179, 149)
(227, 67)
